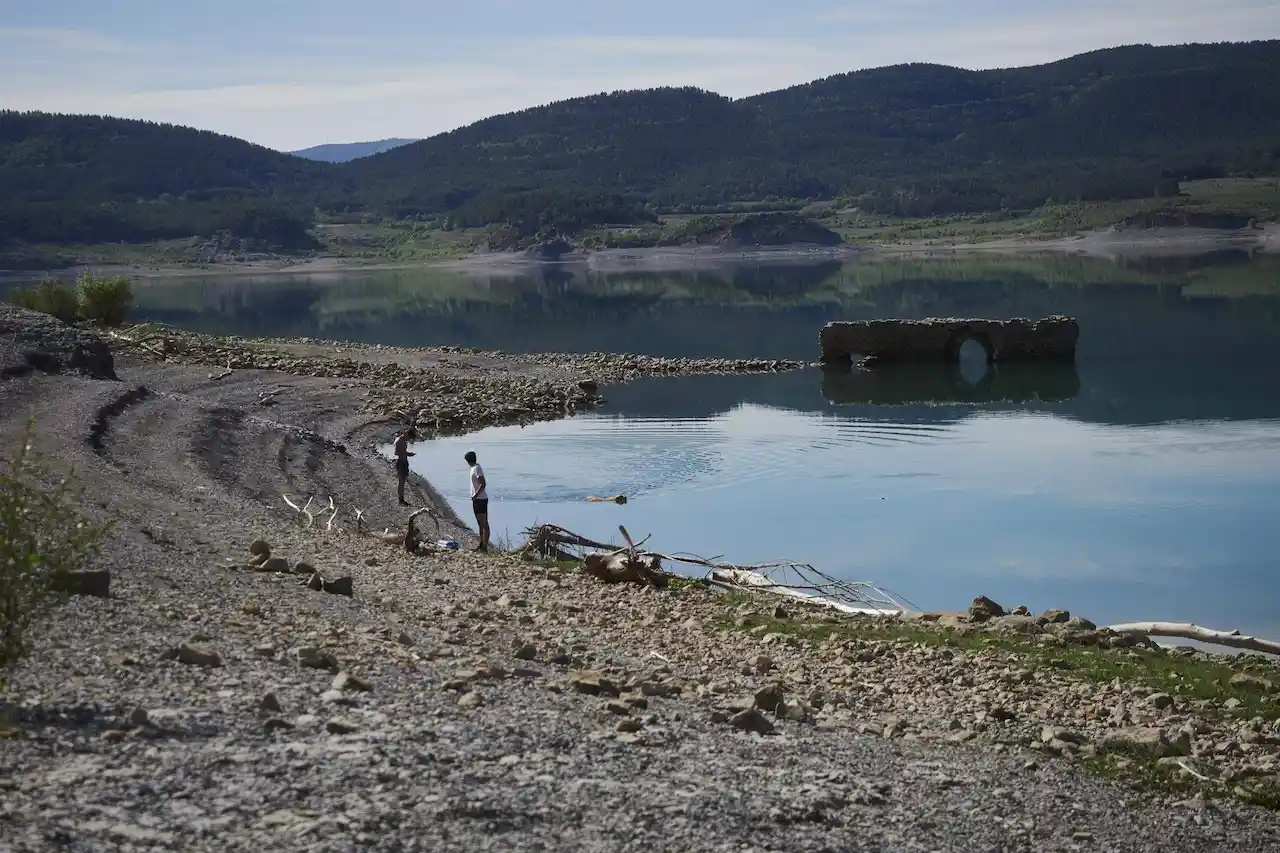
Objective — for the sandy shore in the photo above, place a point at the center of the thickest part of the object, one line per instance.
(503, 705)
(1111, 244)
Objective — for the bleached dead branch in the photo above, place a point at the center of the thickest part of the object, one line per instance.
(1189, 631)
(216, 377)
(268, 398)
(304, 510)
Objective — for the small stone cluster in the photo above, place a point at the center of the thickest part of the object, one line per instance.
(261, 560)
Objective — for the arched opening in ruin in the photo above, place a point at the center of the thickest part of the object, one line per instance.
(974, 360)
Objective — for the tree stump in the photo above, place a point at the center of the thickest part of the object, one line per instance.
(623, 568)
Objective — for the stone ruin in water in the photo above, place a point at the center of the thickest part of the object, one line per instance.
(940, 340)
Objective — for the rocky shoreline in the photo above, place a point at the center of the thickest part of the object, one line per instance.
(442, 390)
(218, 700)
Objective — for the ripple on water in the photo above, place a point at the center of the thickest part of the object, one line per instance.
(637, 456)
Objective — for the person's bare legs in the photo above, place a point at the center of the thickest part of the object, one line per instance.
(482, 522)
(402, 478)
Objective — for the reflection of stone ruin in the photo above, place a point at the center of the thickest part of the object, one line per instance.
(941, 339)
(915, 384)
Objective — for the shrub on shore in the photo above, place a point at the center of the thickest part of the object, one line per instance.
(104, 300)
(42, 540)
(49, 297)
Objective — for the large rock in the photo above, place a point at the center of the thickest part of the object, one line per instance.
(194, 655)
(275, 564)
(769, 697)
(593, 683)
(1014, 625)
(95, 583)
(751, 720)
(984, 609)
(31, 341)
(346, 681)
(1153, 743)
(314, 658)
(940, 339)
(341, 586)
(1253, 682)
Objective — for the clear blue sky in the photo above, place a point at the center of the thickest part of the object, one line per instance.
(290, 74)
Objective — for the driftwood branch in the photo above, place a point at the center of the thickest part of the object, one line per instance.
(406, 537)
(1188, 631)
(411, 542)
(333, 514)
(217, 377)
(268, 398)
(795, 580)
(304, 510)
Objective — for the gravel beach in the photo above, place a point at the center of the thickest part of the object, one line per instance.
(458, 701)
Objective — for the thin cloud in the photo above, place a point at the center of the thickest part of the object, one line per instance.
(51, 38)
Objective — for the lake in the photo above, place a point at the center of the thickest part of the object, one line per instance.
(1142, 483)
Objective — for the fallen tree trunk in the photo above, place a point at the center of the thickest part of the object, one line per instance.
(1189, 631)
(549, 541)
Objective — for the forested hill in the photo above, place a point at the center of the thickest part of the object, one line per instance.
(1101, 124)
(910, 139)
(85, 179)
(46, 157)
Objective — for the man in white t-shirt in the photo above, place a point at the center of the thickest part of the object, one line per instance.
(479, 500)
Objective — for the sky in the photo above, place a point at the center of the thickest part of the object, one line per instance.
(290, 74)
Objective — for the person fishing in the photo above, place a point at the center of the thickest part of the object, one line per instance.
(402, 461)
(479, 499)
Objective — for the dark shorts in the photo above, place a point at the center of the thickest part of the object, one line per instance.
(402, 468)
(480, 506)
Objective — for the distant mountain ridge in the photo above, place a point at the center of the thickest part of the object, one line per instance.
(344, 152)
(906, 140)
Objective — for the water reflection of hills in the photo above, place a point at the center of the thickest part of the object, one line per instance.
(1147, 352)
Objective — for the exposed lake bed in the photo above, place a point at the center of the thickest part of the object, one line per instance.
(476, 656)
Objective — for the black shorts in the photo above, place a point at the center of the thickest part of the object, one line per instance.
(480, 506)
(402, 467)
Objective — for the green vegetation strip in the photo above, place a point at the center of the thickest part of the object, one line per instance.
(1224, 688)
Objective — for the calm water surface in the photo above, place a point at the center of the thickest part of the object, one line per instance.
(1144, 483)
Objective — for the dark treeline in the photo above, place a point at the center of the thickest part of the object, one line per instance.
(142, 221)
(539, 211)
(909, 140)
